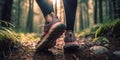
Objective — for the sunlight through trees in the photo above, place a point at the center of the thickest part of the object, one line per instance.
(26, 14)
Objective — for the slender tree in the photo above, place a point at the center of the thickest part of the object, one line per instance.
(55, 6)
(1, 6)
(107, 7)
(87, 14)
(81, 17)
(95, 12)
(29, 25)
(6, 11)
(18, 15)
(100, 11)
(116, 4)
(111, 9)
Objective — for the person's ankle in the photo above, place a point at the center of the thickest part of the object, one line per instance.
(49, 17)
(67, 31)
(53, 14)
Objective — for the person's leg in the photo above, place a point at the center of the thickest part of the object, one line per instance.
(70, 11)
(53, 28)
(47, 9)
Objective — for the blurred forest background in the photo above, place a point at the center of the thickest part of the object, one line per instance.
(26, 15)
(97, 27)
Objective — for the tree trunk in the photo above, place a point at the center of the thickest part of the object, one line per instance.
(100, 11)
(6, 12)
(110, 10)
(107, 7)
(87, 14)
(18, 16)
(29, 25)
(95, 12)
(116, 4)
(114, 9)
(55, 7)
(1, 6)
(81, 18)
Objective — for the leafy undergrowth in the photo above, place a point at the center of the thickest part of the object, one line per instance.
(8, 42)
(96, 43)
(27, 50)
(14, 44)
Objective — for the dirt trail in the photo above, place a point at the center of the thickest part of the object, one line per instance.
(27, 52)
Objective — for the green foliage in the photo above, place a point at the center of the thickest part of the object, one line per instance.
(106, 20)
(84, 32)
(8, 40)
(6, 23)
(95, 27)
(110, 28)
(115, 23)
(90, 30)
(101, 39)
(116, 28)
(8, 34)
(25, 37)
(102, 30)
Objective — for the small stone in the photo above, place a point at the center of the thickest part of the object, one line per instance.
(98, 49)
(117, 53)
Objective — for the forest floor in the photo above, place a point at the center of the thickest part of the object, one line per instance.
(97, 43)
(27, 51)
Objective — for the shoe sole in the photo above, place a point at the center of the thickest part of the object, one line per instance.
(71, 48)
(55, 31)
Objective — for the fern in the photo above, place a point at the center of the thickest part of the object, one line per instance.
(110, 30)
(8, 34)
(101, 39)
(6, 23)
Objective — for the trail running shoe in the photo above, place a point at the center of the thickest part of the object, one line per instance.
(52, 31)
(70, 42)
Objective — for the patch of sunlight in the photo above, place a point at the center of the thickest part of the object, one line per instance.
(54, 1)
(28, 37)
